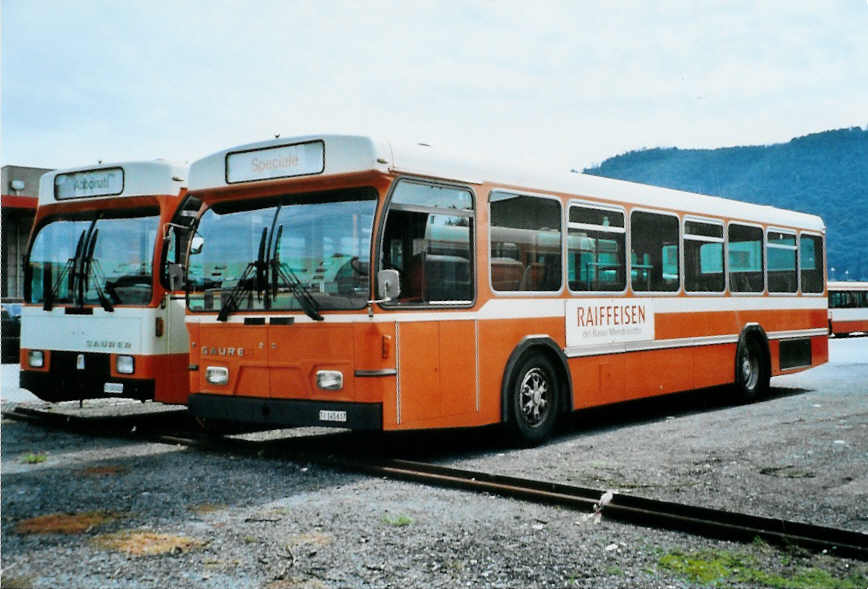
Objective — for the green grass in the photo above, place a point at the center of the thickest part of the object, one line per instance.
(31, 458)
(722, 567)
(398, 521)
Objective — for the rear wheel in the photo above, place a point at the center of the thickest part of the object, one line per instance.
(752, 372)
(534, 400)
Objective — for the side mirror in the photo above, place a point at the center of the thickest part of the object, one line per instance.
(196, 244)
(388, 284)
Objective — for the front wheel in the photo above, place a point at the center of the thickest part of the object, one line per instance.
(751, 370)
(533, 400)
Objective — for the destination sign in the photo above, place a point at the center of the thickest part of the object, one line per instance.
(284, 161)
(107, 182)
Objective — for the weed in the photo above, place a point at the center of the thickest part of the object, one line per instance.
(398, 521)
(16, 582)
(31, 458)
(721, 566)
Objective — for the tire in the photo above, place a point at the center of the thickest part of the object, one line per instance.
(752, 373)
(534, 400)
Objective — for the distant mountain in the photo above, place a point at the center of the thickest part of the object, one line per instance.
(822, 173)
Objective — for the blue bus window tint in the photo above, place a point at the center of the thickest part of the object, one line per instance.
(596, 252)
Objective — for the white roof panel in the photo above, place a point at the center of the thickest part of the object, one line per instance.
(146, 178)
(349, 153)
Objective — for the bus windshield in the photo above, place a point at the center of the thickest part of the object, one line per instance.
(298, 253)
(90, 261)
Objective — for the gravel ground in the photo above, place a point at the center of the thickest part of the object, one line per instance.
(217, 520)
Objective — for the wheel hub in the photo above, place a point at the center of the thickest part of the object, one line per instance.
(534, 396)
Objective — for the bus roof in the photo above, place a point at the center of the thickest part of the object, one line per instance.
(308, 155)
(112, 180)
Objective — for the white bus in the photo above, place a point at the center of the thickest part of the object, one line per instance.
(100, 318)
(848, 308)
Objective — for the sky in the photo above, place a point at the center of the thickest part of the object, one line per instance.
(554, 84)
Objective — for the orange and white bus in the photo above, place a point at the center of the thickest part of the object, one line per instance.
(344, 281)
(100, 318)
(848, 307)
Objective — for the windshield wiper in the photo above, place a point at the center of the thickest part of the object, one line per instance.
(89, 265)
(48, 304)
(285, 273)
(252, 277)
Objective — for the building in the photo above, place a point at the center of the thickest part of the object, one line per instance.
(20, 191)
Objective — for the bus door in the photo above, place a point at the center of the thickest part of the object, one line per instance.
(437, 370)
(428, 238)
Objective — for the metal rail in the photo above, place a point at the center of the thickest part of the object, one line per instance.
(629, 509)
(633, 510)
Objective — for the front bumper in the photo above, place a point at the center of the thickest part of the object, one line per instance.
(288, 412)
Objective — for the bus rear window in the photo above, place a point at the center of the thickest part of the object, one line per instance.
(811, 263)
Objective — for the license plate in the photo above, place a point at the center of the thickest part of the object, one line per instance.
(113, 387)
(340, 416)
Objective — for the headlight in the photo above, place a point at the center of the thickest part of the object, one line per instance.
(36, 359)
(217, 375)
(125, 364)
(330, 380)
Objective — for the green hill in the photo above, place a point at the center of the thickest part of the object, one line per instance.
(823, 173)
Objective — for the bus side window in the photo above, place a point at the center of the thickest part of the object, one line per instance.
(428, 238)
(781, 257)
(654, 239)
(703, 257)
(811, 263)
(525, 241)
(595, 249)
(745, 258)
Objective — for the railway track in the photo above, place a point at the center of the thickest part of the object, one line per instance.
(594, 502)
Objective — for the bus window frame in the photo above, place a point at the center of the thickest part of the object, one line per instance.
(655, 293)
(739, 293)
(795, 248)
(706, 239)
(533, 293)
(822, 239)
(622, 230)
(382, 218)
